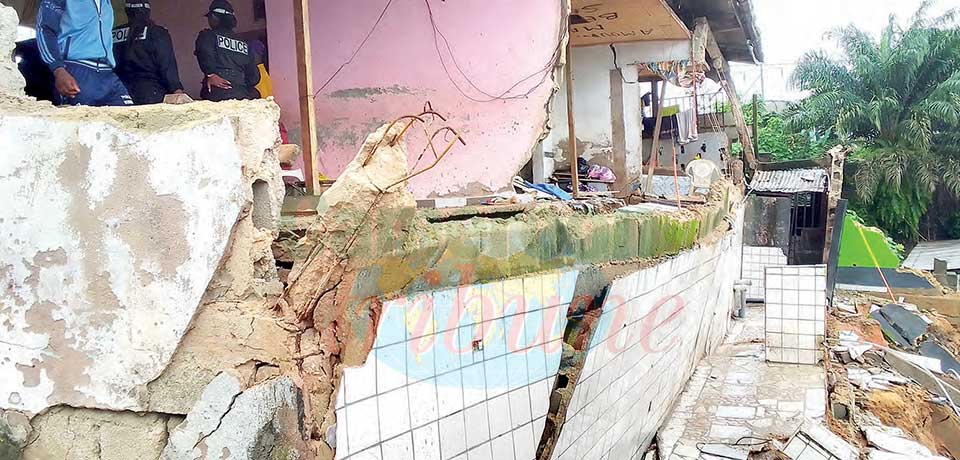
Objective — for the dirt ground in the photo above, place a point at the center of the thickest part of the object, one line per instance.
(906, 408)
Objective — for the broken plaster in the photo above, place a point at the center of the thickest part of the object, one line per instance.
(117, 223)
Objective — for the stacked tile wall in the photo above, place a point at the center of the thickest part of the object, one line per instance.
(755, 259)
(655, 326)
(795, 310)
(463, 373)
(469, 372)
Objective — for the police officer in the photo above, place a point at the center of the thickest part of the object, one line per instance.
(145, 59)
(226, 60)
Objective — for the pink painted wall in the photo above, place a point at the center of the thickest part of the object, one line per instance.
(496, 43)
(184, 19)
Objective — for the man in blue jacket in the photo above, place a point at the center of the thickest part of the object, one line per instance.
(76, 42)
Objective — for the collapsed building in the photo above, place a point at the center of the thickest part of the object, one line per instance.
(143, 314)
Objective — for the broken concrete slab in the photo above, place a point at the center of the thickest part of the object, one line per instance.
(934, 350)
(815, 441)
(66, 432)
(905, 327)
(11, 80)
(892, 443)
(232, 423)
(117, 226)
(921, 375)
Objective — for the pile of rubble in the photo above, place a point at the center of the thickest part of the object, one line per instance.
(893, 380)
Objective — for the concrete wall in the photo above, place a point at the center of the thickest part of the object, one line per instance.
(713, 140)
(655, 326)
(458, 372)
(599, 114)
(496, 44)
(137, 258)
(470, 371)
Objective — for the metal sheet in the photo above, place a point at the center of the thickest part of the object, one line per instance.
(790, 181)
(921, 257)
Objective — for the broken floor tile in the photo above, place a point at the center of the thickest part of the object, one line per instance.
(736, 412)
(813, 441)
(728, 432)
(710, 416)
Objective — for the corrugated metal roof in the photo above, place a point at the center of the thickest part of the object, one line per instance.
(790, 181)
(921, 257)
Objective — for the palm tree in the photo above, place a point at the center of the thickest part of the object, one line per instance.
(897, 99)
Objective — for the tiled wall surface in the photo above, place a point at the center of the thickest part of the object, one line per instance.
(795, 309)
(655, 326)
(755, 259)
(459, 374)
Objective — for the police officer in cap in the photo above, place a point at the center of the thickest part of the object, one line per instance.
(226, 60)
(145, 59)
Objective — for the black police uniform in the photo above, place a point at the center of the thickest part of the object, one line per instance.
(146, 63)
(221, 52)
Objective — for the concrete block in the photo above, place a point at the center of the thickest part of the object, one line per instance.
(117, 225)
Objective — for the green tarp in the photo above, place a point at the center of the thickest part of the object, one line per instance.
(853, 251)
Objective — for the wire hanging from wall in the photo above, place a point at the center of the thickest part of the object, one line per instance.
(543, 71)
(439, 37)
(356, 51)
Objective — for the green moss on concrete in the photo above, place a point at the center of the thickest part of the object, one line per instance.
(426, 256)
(10, 449)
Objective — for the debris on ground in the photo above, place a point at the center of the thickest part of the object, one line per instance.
(815, 441)
(892, 387)
(894, 444)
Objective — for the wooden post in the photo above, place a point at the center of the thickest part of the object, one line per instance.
(308, 114)
(648, 184)
(756, 121)
(571, 129)
(712, 48)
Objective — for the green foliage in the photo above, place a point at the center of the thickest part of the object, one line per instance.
(781, 143)
(898, 99)
(953, 230)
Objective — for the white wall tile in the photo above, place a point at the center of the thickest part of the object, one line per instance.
(426, 442)
(453, 437)
(394, 413)
(477, 424)
(438, 353)
(502, 447)
(481, 452)
(360, 417)
(399, 448)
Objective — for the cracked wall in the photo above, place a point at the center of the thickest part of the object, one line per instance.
(132, 267)
(491, 74)
(141, 315)
(561, 364)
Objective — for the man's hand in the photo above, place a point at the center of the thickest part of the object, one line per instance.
(179, 91)
(216, 81)
(66, 85)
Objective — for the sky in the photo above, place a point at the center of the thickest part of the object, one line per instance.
(788, 29)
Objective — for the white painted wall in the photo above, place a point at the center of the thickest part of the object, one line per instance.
(713, 140)
(110, 236)
(591, 75)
